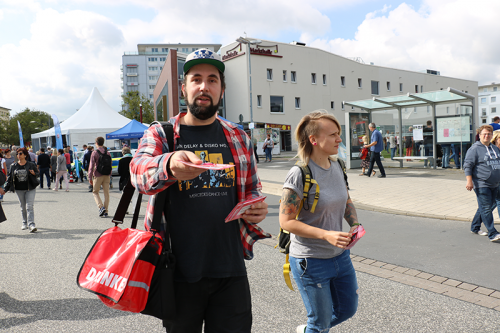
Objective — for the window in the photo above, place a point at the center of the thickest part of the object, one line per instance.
(293, 76)
(284, 76)
(163, 59)
(152, 59)
(342, 81)
(151, 86)
(153, 78)
(269, 74)
(447, 109)
(164, 49)
(185, 49)
(132, 79)
(493, 110)
(428, 109)
(297, 102)
(484, 121)
(483, 111)
(153, 68)
(313, 78)
(161, 68)
(150, 95)
(483, 100)
(360, 83)
(324, 79)
(416, 88)
(485, 89)
(154, 49)
(332, 105)
(400, 87)
(414, 110)
(421, 89)
(375, 88)
(259, 101)
(194, 49)
(494, 88)
(277, 104)
(493, 99)
(388, 86)
(343, 106)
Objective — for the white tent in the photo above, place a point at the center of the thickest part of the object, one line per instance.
(95, 118)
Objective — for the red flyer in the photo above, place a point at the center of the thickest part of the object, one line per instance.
(356, 235)
(242, 207)
(209, 166)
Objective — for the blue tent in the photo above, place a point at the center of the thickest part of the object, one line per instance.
(133, 130)
(238, 125)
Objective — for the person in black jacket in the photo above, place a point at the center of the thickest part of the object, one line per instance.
(86, 162)
(23, 181)
(44, 167)
(124, 172)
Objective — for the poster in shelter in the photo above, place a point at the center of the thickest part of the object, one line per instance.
(418, 132)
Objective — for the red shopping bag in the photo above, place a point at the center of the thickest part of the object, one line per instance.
(120, 266)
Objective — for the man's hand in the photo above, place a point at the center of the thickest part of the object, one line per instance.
(337, 238)
(257, 213)
(181, 171)
(2, 191)
(470, 185)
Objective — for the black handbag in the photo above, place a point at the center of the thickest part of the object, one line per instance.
(32, 179)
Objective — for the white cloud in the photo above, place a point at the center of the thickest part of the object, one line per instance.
(456, 37)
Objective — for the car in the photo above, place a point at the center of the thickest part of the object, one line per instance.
(116, 155)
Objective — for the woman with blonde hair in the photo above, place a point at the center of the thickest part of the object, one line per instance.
(319, 261)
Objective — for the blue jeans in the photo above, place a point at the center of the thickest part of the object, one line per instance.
(428, 152)
(27, 201)
(393, 152)
(486, 199)
(446, 155)
(46, 172)
(328, 288)
(269, 154)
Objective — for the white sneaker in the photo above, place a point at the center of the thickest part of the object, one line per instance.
(496, 238)
(24, 227)
(301, 328)
(480, 233)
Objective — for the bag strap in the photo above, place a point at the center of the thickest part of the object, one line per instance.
(307, 180)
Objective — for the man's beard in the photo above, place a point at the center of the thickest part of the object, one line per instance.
(203, 112)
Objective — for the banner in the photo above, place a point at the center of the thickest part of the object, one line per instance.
(57, 129)
(77, 162)
(21, 141)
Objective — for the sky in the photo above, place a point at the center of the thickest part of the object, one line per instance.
(53, 52)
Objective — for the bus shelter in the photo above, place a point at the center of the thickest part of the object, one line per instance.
(455, 127)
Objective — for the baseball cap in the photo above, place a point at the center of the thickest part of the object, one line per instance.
(203, 56)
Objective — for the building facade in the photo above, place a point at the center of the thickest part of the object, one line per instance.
(4, 114)
(488, 103)
(140, 70)
(291, 80)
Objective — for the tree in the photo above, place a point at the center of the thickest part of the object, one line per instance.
(32, 121)
(132, 100)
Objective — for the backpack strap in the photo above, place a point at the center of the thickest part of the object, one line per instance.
(168, 128)
(343, 167)
(307, 180)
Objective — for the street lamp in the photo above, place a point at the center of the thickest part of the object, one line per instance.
(140, 112)
(249, 42)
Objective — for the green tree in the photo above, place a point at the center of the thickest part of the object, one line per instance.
(132, 100)
(32, 121)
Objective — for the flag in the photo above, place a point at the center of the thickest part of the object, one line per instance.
(77, 162)
(21, 141)
(57, 130)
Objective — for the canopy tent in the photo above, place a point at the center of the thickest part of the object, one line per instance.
(95, 118)
(433, 98)
(229, 121)
(133, 130)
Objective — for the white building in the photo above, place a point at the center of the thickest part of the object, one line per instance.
(488, 103)
(141, 69)
(290, 80)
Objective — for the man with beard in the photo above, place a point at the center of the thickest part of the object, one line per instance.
(211, 285)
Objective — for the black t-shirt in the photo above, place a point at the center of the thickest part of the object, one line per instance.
(204, 245)
(43, 161)
(20, 176)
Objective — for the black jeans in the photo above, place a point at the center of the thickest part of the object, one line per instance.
(224, 305)
(255, 153)
(46, 172)
(375, 158)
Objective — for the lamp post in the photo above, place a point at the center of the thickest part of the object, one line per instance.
(140, 112)
(248, 43)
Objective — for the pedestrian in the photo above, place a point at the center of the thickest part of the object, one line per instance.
(393, 146)
(409, 142)
(387, 140)
(44, 167)
(97, 178)
(268, 148)
(446, 155)
(53, 167)
(211, 284)
(49, 151)
(496, 123)
(8, 159)
(482, 171)
(365, 157)
(3, 218)
(254, 143)
(86, 164)
(124, 172)
(67, 156)
(32, 156)
(3, 169)
(62, 170)
(375, 147)
(428, 132)
(320, 264)
(23, 181)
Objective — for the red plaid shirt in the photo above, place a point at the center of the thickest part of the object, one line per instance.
(148, 170)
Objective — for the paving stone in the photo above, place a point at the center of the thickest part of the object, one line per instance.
(389, 266)
(451, 282)
(455, 292)
(484, 291)
(467, 286)
(425, 276)
(368, 261)
(412, 272)
(358, 258)
(438, 279)
(378, 264)
(400, 269)
(488, 302)
(471, 297)
(496, 294)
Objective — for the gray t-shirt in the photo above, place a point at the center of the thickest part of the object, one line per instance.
(329, 210)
